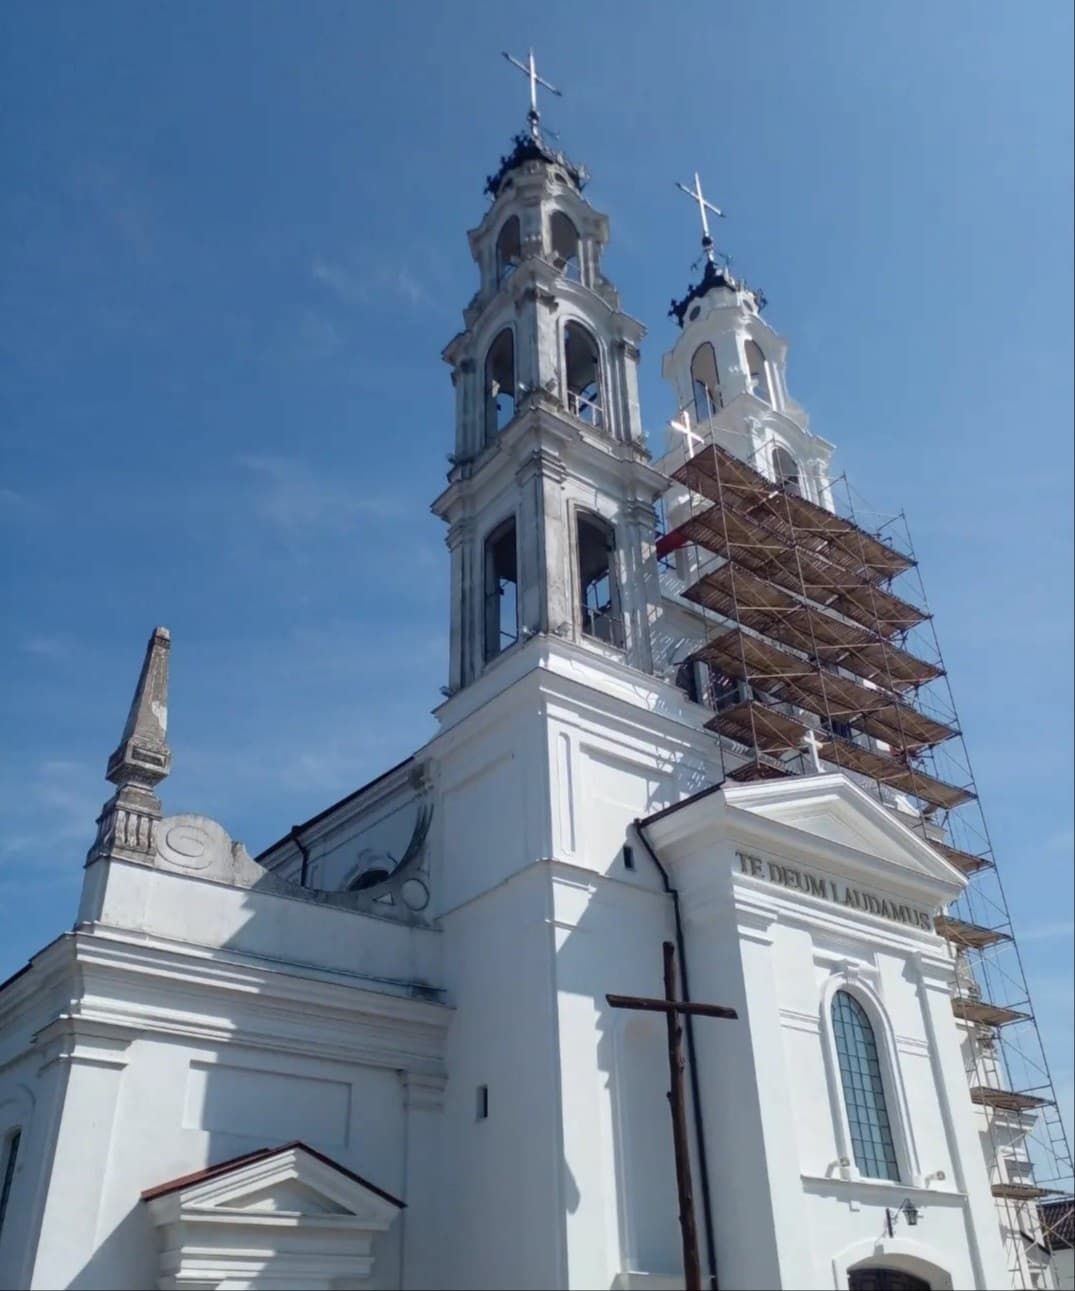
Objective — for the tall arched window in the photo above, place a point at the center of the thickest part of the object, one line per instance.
(499, 383)
(565, 246)
(582, 373)
(598, 588)
(501, 589)
(864, 1090)
(786, 471)
(759, 372)
(705, 383)
(508, 249)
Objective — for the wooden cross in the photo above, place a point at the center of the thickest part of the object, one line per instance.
(529, 69)
(812, 744)
(684, 428)
(704, 208)
(672, 1007)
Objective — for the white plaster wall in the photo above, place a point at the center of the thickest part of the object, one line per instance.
(773, 1137)
(173, 1108)
(245, 921)
(621, 1210)
(501, 1180)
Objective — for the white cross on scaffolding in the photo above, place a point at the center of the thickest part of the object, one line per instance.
(704, 208)
(810, 742)
(529, 69)
(685, 429)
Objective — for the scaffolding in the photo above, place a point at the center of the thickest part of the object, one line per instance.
(807, 646)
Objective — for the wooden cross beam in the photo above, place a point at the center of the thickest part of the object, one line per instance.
(672, 1008)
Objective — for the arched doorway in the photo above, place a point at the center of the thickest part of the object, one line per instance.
(882, 1279)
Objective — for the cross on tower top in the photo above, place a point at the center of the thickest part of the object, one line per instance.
(704, 208)
(529, 69)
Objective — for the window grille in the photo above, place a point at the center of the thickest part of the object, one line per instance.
(864, 1091)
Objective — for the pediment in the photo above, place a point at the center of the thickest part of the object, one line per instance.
(285, 1216)
(293, 1180)
(835, 813)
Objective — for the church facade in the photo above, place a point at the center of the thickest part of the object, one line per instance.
(381, 1054)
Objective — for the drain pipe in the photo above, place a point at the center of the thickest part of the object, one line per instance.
(304, 852)
(696, 1097)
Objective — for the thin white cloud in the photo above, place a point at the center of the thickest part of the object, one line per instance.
(55, 648)
(361, 280)
(294, 499)
(1047, 931)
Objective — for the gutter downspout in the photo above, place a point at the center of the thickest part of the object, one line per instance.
(696, 1097)
(304, 852)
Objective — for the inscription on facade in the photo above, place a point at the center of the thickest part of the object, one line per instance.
(836, 891)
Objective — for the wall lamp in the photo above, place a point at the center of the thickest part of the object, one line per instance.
(908, 1210)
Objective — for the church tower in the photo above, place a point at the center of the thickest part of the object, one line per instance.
(550, 496)
(728, 372)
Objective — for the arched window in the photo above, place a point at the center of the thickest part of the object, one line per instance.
(864, 1090)
(582, 371)
(786, 471)
(705, 383)
(508, 249)
(501, 589)
(759, 372)
(499, 383)
(599, 591)
(874, 1277)
(565, 246)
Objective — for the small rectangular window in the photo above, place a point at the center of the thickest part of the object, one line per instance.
(482, 1103)
(10, 1156)
(628, 857)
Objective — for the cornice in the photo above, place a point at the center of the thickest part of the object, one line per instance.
(129, 989)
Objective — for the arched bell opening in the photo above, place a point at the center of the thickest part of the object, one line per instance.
(508, 249)
(499, 384)
(705, 383)
(565, 243)
(582, 373)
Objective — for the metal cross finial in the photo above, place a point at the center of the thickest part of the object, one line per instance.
(812, 744)
(704, 208)
(529, 69)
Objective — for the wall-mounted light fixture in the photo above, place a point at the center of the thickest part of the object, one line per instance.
(908, 1210)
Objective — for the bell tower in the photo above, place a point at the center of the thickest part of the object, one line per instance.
(728, 371)
(550, 496)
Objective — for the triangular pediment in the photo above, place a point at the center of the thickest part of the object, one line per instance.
(835, 814)
(293, 1180)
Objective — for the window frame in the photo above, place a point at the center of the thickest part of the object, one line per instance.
(851, 981)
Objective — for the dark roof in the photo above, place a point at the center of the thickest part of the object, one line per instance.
(528, 146)
(314, 820)
(235, 1163)
(678, 806)
(1058, 1223)
(716, 275)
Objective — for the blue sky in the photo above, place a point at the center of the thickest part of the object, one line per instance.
(234, 246)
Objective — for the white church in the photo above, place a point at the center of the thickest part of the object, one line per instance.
(683, 707)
